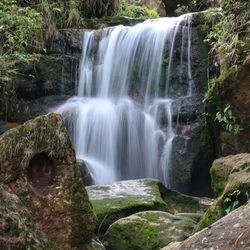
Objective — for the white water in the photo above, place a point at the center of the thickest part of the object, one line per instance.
(115, 121)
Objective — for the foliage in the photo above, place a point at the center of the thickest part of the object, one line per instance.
(228, 121)
(134, 11)
(228, 38)
(193, 6)
(20, 33)
(21, 41)
(232, 201)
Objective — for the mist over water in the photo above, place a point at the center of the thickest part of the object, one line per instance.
(116, 121)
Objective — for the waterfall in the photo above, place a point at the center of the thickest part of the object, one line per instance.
(120, 121)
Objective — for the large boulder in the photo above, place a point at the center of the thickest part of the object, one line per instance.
(231, 232)
(17, 230)
(231, 180)
(124, 198)
(38, 164)
(148, 230)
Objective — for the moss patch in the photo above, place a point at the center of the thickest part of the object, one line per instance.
(121, 199)
(219, 177)
(148, 230)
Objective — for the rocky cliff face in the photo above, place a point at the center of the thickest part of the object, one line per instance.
(239, 99)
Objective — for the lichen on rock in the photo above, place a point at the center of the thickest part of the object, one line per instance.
(17, 230)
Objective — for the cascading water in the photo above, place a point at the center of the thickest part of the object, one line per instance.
(121, 121)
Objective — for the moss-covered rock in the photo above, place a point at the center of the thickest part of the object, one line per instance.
(148, 230)
(233, 174)
(38, 164)
(121, 199)
(220, 171)
(17, 230)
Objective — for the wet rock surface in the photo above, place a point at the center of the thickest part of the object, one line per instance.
(118, 200)
(22, 110)
(192, 155)
(38, 164)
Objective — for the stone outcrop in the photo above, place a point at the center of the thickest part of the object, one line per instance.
(38, 164)
(124, 198)
(239, 99)
(231, 232)
(149, 230)
(231, 180)
(17, 230)
(190, 154)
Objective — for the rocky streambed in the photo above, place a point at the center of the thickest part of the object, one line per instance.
(44, 204)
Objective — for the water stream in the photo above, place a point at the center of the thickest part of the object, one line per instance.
(120, 121)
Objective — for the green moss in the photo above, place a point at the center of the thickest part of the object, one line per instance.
(133, 234)
(149, 230)
(219, 177)
(214, 213)
(134, 11)
(83, 219)
(178, 202)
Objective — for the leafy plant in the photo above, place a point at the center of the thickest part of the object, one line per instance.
(228, 37)
(194, 5)
(228, 121)
(21, 42)
(232, 201)
(135, 11)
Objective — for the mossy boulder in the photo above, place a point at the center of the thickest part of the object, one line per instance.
(17, 230)
(124, 198)
(230, 232)
(232, 174)
(38, 164)
(221, 169)
(148, 230)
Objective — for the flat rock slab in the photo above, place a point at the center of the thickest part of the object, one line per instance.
(148, 230)
(231, 232)
(124, 198)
